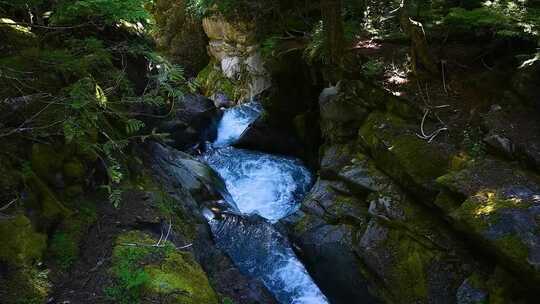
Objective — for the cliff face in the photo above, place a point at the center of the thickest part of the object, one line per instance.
(417, 220)
(180, 35)
(237, 68)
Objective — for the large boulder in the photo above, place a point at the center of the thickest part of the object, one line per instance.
(365, 232)
(193, 121)
(500, 211)
(399, 152)
(261, 136)
(197, 186)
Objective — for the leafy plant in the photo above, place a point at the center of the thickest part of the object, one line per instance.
(105, 12)
(130, 277)
(373, 68)
(63, 249)
(317, 49)
(502, 18)
(473, 143)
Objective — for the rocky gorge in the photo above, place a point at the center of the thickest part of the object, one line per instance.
(286, 174)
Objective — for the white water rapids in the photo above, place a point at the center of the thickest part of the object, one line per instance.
(265, 188)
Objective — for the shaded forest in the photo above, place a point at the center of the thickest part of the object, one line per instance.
(417, 121)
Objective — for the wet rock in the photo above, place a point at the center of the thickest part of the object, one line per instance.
(334, 157)
(501, 144)
(196, 186)
(328, 252)
(404, 253)
(221, 100)
(333, 201)
(184, 171)
(467, 294)
(261, 136)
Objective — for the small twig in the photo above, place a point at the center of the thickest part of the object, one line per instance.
(485, 64)
(8, 205)
(443, 65)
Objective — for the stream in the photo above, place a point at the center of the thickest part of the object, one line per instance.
(263, 188)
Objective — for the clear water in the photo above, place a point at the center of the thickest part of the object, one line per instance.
(235, 121)
(260, 251)
(259, 183)
(265, 188)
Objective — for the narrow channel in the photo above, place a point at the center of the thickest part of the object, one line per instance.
(265, 188)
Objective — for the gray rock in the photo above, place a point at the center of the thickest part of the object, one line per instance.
(263, 137)
(328, 254)
(467, 294)
(192, 122)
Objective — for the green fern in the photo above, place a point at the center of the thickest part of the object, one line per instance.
(133, 126)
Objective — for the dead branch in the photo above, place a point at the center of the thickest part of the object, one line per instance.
(6, 206)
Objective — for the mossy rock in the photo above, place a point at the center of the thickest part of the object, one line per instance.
(410, 269)
(21, 244)
(499, 211)
(50, 206)
(65, 241)
(181, 276)
(25, 285)
(143, 271)
(401, 154)
(212, 80)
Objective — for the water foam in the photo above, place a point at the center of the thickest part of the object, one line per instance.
(235, 121)
(269, 185)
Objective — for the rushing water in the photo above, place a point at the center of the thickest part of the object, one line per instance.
(265, 188)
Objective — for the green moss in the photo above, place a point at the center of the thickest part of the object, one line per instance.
(303, 225)
(11, 177)
(64, 250)
(420, 160)
(25, 285)
(182, 278)
(142, 271)
(20, 243)
(409, 273)
(73, 191)
(168, 206)
(513, 247)
(65, 242)
(482, 209)
(446, 202)
(212, 81)
(402, 155)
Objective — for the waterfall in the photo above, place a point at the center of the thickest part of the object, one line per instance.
(265, 188)
(235, 121)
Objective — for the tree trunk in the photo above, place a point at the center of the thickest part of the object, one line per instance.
(334, 34)
(422, 60)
